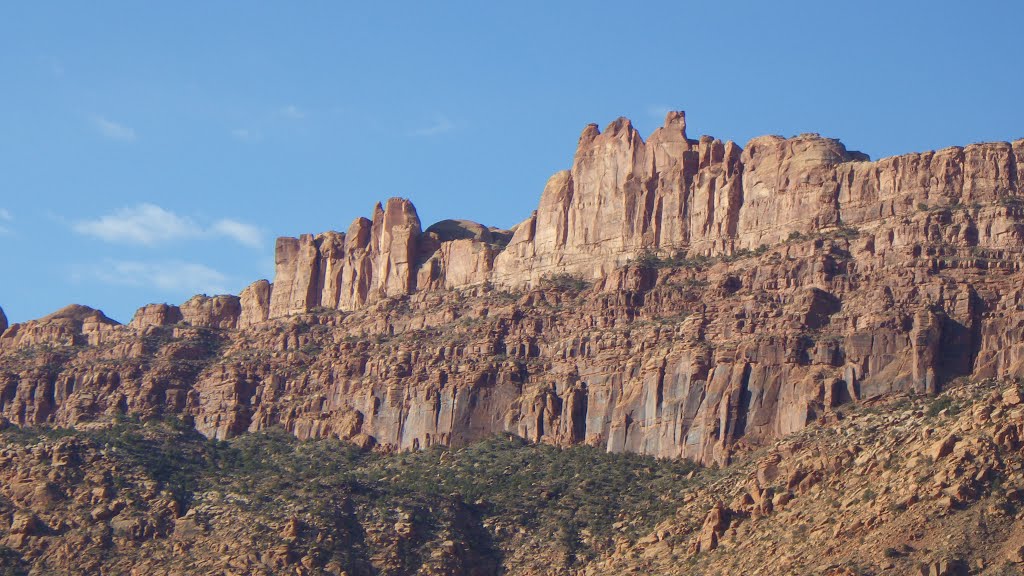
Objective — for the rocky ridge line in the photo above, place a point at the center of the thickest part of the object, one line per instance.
(623, 195)
(670, 297)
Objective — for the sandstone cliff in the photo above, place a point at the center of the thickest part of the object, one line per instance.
(672, 296)
(669, 194)
(156, 315)
(73, 325)
(912, 485)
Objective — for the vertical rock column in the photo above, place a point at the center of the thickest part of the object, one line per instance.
(925, 340)
(396, 227)
(345, 271)
(255, 303)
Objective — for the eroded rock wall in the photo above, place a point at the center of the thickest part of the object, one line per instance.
(777, 283)
(668, 195)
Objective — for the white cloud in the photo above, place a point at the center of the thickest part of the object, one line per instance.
(149, 224)
(659, 112)
(5, 216)
(245, 135)
(241, 232)
(170, 276)
(146, 224)
(441, 125)
(113, 130)
(293, 112)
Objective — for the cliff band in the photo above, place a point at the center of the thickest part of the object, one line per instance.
(672, 296)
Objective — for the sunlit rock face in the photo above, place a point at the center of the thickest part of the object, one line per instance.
(674, 296)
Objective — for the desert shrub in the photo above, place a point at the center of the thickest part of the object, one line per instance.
(565, 282)
(938, 405)
(844, 231)
(556, 494)
(648, 260)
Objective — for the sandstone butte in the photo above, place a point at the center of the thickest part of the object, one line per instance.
(674, 297)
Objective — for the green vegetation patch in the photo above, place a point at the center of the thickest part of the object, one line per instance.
(491, 495)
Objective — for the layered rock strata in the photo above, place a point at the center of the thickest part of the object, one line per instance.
(73, 325)
(672, 296)
(670, 195)
(224, 311)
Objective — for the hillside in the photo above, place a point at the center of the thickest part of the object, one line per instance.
(673, 298)
(882, 489)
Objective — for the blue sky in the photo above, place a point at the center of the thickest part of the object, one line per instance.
(152, 151)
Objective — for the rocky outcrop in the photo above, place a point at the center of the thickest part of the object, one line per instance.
(3, 321)
(904, 487)
(255, 304)
(912, 485)
(623, 195)
(384, 257)
(673, 297)
(297, 262)
(212, 312)
(457, 264)
(449, 230)
(668, 195)
(156, 315)
(704, 197)
(224, 311)
(73, 325)
(374, 259)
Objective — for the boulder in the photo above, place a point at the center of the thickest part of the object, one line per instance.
(943, 447)
(212, 312)
(255, 303)
(448, 230)
(156, 315)
(69, 326)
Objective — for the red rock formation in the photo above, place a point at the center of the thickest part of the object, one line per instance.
(680, 298)
(297, 264)
(156, 315)
(214, 312)
(255, 303)
(623, 195)
(344, 271)
(388, 256)
(69, 326)
(201, 310)
(669, 195)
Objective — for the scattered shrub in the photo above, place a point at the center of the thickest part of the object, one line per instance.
(557, 494)
(565, 282)
(938, 405)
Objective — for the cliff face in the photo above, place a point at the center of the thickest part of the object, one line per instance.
(925, 486)
(623, 195)
(674, 297)
(344, 271)
(378, 517)
(669, 194)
